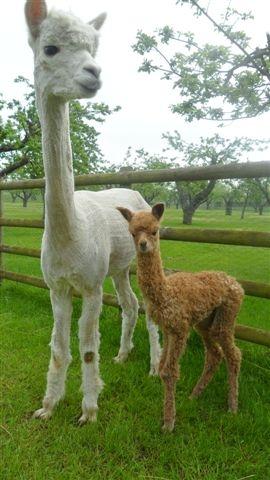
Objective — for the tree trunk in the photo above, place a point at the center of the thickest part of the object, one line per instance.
(244, 206)
(25, 196)
(208, 203)
(13, 196)
(261, 207)
(228, 210)
(228, 206)
(187, 216)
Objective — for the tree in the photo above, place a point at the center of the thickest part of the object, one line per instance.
(245, 188)
(230, 195)
(260, 197)
(255, 192)
(217, 82)
(20, 135)
(25, 195)
(264, 186)
(208, 151)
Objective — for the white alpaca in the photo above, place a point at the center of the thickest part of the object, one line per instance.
(85, 237)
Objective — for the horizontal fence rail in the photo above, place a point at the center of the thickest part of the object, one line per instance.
(198, 235)
(254, 289)
(225, 237)
(243, 332)
(16, 222)
(233, 170)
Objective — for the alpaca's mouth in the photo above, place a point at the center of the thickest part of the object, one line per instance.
(89, 89)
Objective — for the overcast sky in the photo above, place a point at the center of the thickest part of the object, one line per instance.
(144, 99)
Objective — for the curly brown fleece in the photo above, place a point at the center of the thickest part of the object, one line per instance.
(207, 301)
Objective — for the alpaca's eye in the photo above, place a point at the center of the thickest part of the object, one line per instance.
(154, 233)
(133, 234)
(51, 50)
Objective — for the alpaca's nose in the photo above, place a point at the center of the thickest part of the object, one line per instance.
(143, 244)
(94, 70)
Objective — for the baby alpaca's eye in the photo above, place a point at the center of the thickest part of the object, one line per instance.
(51, 50)
(154, 233)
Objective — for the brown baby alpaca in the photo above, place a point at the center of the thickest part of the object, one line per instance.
(207, 301)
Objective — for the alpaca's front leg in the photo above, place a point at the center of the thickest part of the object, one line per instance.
(169, 373)
(89, 349)
(169, 403)
(60, 354)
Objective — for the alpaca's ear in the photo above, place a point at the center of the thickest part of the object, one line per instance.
(127, 214)
(35, 13)
(157, 210)
(98, 21)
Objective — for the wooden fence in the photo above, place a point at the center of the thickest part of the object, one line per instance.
(226, 237)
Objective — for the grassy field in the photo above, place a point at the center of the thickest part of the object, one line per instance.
(126, 442)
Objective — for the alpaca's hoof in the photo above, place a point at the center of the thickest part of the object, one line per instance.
(233, 410)
(154, 370)
(90, 416)
(121, 357)
(168, 427)
(42, 413)
(233, 405)
(196, 392)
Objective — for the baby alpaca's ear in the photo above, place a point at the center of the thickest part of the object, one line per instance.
(157, 210)
(127, 214)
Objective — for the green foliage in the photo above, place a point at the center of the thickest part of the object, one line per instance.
(20, 134)
(217, 82)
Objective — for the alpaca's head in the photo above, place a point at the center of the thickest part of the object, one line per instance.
(64, 49)
(144, 227)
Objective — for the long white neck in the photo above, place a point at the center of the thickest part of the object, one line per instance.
(57, 159)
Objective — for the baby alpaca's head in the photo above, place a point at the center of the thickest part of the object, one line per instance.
(144, 227)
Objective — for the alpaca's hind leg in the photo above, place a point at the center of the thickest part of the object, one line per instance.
(223, 330)
(89, 350)
(129, 305)
(233, 360)
(169, 373)
(213, 357)
(60, 355)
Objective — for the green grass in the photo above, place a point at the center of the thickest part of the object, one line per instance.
(126, 442)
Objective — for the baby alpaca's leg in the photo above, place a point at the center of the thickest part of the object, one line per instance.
(169, 374)
(223, 331)
(213, 357)
(233, 360)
